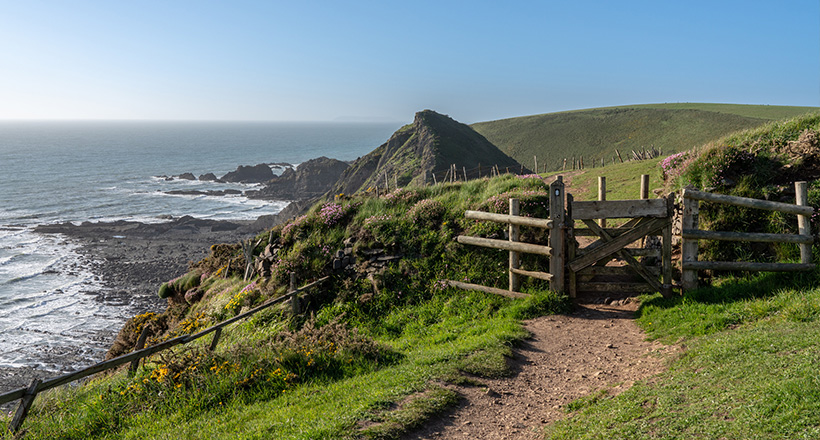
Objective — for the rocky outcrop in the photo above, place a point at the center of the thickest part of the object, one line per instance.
(186, 176)
(311, 179)
(431, 144)
(249, 174)
(208, 177)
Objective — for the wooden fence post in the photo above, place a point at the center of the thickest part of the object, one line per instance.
(215, 340)
(535, 159)
(140, 345)
(803, 221)
(557, 241)
(644, 186)
(666, 250)
(515, 258)
(294, 300)
(602, 197)
(689, 246)
(572, 247)
(23, 407)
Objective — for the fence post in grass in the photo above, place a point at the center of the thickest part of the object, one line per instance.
(572, 247)
(140, 345)
(689, 246)
(515, 257)
(557, 232)
(803, 221)
(666, 250)
(602, 197)
(23, 407)
(215, 339)
(294, 299)
(644, 186)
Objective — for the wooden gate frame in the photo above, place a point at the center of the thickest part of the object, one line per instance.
(647, 217)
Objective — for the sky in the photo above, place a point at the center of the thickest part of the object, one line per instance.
(385, 60)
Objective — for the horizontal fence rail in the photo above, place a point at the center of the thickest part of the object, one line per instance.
(38, 386)
(691, 234)
(555, 250)
(506, 245)
(511, 219)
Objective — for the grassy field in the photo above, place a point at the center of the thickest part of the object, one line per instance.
(597, 133)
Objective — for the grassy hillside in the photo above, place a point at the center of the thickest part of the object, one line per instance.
(367, 359)
(427, 147)
(597, 133)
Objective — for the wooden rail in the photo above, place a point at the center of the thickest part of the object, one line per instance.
(555, 250)
(691, 234)
(29, 393)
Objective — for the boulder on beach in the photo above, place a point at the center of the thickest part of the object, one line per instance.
(249, 174)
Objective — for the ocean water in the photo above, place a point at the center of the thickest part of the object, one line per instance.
(54, 172)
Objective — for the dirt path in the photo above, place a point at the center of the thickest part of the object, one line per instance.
(568, 356)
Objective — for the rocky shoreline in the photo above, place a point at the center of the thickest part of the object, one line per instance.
(132, 259)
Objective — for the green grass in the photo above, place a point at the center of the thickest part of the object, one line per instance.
(768, 112)
(622, 180)
(749, 369)
(596, 133)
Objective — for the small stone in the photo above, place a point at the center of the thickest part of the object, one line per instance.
(610, 346)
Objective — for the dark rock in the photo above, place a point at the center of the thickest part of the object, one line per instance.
(337, 264)
(208, 177)
(249, 174)
(186, 176)
(311, 179)
(196, 192)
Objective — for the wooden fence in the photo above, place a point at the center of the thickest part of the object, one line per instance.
(555, 251)
(27, 395)
(691, 234)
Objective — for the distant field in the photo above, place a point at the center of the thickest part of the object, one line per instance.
(597, 133)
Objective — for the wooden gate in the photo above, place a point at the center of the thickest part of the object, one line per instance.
(610, 263)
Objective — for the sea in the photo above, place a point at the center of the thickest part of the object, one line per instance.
(77, 171)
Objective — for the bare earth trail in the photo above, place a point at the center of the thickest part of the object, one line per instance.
(596, 347)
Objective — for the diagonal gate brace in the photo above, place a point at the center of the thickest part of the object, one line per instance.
(617, 244)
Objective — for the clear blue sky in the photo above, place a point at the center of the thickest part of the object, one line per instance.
(474, 60)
